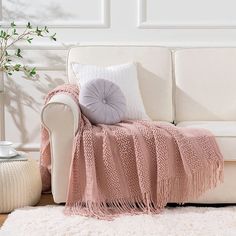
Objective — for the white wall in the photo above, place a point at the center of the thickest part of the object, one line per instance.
(184, 23)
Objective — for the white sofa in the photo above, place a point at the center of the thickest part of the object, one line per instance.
(190, 87)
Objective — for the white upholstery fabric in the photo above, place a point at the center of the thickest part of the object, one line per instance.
(61, 117)
(205, 84)
(20, 184)
(205, 91)
(224, 131)
(225, 192)
(124, 76)
(154, 72)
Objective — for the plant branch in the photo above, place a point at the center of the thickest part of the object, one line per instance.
(9, 39)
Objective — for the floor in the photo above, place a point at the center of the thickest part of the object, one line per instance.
(46, 199)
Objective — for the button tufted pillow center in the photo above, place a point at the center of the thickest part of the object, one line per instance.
(102, 102)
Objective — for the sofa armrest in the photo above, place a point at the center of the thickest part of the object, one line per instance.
(61, 118)
(62, 103)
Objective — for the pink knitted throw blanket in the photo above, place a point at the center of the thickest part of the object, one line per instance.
(134, 166)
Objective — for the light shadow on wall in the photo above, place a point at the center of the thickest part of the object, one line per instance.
(55, 60)
(19, 10)
(17, 99)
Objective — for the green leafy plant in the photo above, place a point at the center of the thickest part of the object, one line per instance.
(11, 53)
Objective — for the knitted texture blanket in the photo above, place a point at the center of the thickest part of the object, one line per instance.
(134, 166)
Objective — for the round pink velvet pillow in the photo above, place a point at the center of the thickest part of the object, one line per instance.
(102, 102)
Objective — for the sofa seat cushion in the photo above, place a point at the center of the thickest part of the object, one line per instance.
(224, 131)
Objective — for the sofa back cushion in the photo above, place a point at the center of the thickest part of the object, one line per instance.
(205, 84)
(154, 66)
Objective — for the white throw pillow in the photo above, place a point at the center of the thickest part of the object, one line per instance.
(125, 76)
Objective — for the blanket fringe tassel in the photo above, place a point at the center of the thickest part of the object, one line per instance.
(175, 190)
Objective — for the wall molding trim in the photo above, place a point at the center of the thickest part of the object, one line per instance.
(104, 22)
(41, 67)
(2, 110)
(175, 44)
(143, 23)
(67, 45)
(169, 44)
(47, 46)
(2, 116)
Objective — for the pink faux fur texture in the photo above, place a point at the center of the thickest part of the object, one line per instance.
(134, 167)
